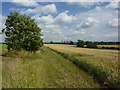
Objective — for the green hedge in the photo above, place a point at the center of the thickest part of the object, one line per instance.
(116, 48)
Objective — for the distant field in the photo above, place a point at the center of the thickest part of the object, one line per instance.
(43, 69)
(106, 59)
(108, 45)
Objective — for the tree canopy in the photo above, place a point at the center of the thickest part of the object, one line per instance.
(80, 43)
(22, 32)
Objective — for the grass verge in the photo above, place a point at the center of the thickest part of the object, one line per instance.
(43, 69)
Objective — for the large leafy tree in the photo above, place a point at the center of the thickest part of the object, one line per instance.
(22, 32)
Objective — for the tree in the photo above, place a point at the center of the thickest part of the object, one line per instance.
(51, 42)
(22, 32)
(71, 43)
(80, 43)
(91, 45)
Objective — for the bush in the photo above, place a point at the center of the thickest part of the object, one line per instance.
(51, 42)
(91, 45)
(103, 47)
(116, 48)
(80, 43)
(71, 43)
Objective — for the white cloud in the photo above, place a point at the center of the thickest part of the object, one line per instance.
(51, 8)
(84, 4)
(53, 26)
(44, 19)
(111, 35)
(91, 25)
(17, 9)
(101, 14)
(113, 23)
(26, 3)
(87, 23)
(112, 5)
(2, 19)
(79, 32)
(99, 18)
(52, 33)
(87, 4)
(64, 18)
(0, 22)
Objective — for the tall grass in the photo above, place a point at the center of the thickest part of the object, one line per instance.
(97, 72)
(43, 69)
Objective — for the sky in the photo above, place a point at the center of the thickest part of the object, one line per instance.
(61, 21)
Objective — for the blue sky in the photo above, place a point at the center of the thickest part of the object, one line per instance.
(69, 20)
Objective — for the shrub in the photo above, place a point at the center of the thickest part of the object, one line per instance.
(103, 47)
(117, 48)
(80, 43)
(91, 45)
(51, 42)
(71, 43)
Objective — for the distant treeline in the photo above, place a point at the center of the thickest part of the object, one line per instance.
(103, 43)
(89, 44)
(85, 42)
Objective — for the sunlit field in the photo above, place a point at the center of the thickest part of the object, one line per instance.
(106, 60)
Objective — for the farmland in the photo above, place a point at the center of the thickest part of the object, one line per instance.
(108, 45)
(66, 44)
(105, 60)
(42, 69)
(48, 69)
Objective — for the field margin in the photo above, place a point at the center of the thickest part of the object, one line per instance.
(96, 72)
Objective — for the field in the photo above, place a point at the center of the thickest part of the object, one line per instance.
(48, 69)
(105, 60)
(108, 45)
(66, 44)
(43, 69)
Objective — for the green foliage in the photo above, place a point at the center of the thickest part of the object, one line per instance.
(80, 43)
(71, 43)
(116, 48)
(91, 45)
(51, 42)
(22, 32)
(103, 43)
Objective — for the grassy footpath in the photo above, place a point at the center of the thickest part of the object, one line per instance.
(101, 64)
(43, 69)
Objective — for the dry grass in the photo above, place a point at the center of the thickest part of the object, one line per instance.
(108, 54)
(109, 57)
(10, 66)
(108, 45)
